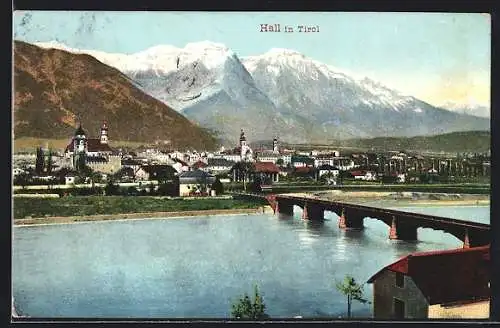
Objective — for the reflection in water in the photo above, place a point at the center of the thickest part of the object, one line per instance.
(197, 267)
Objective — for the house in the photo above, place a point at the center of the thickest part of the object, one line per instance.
(156, 172)
(302, 161)
(326, 159)
(219, 165)
(328, 169)
(364, 175)
(200, 165)
(132, 163)
(16, 171)
(196, 182)
(439, 284)
(180, 165)
(69, 179)
(267, 172)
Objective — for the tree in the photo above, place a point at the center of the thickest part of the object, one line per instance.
(350, 288)
(242, 170)
(218, 187)
(280, 162)
(40, 161)
(248, 309)
(111, 188)
(49, 162)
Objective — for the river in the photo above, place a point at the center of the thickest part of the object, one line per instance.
(196, 267)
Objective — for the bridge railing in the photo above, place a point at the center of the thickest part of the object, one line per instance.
(420, 216)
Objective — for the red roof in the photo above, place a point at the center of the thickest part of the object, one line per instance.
(93, 145)
(266, 167)
(357, 173)
(199, 164)
(302, 169)
(446, 276)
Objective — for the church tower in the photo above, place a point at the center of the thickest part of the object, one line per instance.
(243, 144)
(104, 133)
(79, 148)
(276, 149)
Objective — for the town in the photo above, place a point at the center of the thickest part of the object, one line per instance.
(93, 161)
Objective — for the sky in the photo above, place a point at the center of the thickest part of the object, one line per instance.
(436, 57)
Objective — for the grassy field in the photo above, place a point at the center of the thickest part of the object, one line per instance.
(96, 205)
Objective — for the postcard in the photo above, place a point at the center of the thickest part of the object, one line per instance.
(251, 165)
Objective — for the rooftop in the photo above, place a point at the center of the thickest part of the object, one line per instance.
(446, 276)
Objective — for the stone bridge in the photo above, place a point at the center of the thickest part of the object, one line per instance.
(402, 225)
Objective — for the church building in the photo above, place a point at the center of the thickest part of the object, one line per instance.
(93, 152)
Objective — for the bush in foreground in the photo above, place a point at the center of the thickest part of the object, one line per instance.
(250, 309)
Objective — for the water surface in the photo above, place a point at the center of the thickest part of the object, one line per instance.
(196, 267)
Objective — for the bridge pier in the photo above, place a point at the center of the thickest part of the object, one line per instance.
(283, 207)
(350, 220)
(402, 231)
(313, 212)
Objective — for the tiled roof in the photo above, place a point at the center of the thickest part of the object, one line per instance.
(327, 167)
(199, 164)
(195, 174)
(220, 162)
(357, 173)
(93, 145)
(303, 169)
(154, 170)
(266, 167)
(446, 276)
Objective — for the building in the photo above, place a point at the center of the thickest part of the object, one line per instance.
(242, 152)
(159, 172)
(364, 175)
(246, 151)
(93, 152)
(331, 171)
(219, 165)
(302, 161)
(196, 182)
(439, 284)
(267, 172)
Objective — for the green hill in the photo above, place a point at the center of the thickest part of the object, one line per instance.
(469, 141)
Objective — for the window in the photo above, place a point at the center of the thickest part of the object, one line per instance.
(400, 280)
(399, 309)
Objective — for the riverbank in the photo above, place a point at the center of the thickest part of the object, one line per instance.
(139, 215)
(83, 206)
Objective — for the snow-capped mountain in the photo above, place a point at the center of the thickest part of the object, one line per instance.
(281, 92)
(471, 108)
(344, 106)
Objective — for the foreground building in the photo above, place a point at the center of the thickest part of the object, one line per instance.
(440, 284)
(196, 182)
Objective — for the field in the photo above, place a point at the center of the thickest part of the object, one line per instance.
(97, 205)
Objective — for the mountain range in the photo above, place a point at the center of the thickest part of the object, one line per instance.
(54, 90)
(280, 93)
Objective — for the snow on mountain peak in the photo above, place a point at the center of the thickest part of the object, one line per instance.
(283, 51)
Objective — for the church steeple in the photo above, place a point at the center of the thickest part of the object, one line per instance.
(275, 145)
(79, 148)
(243, 139)
(104, 133)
